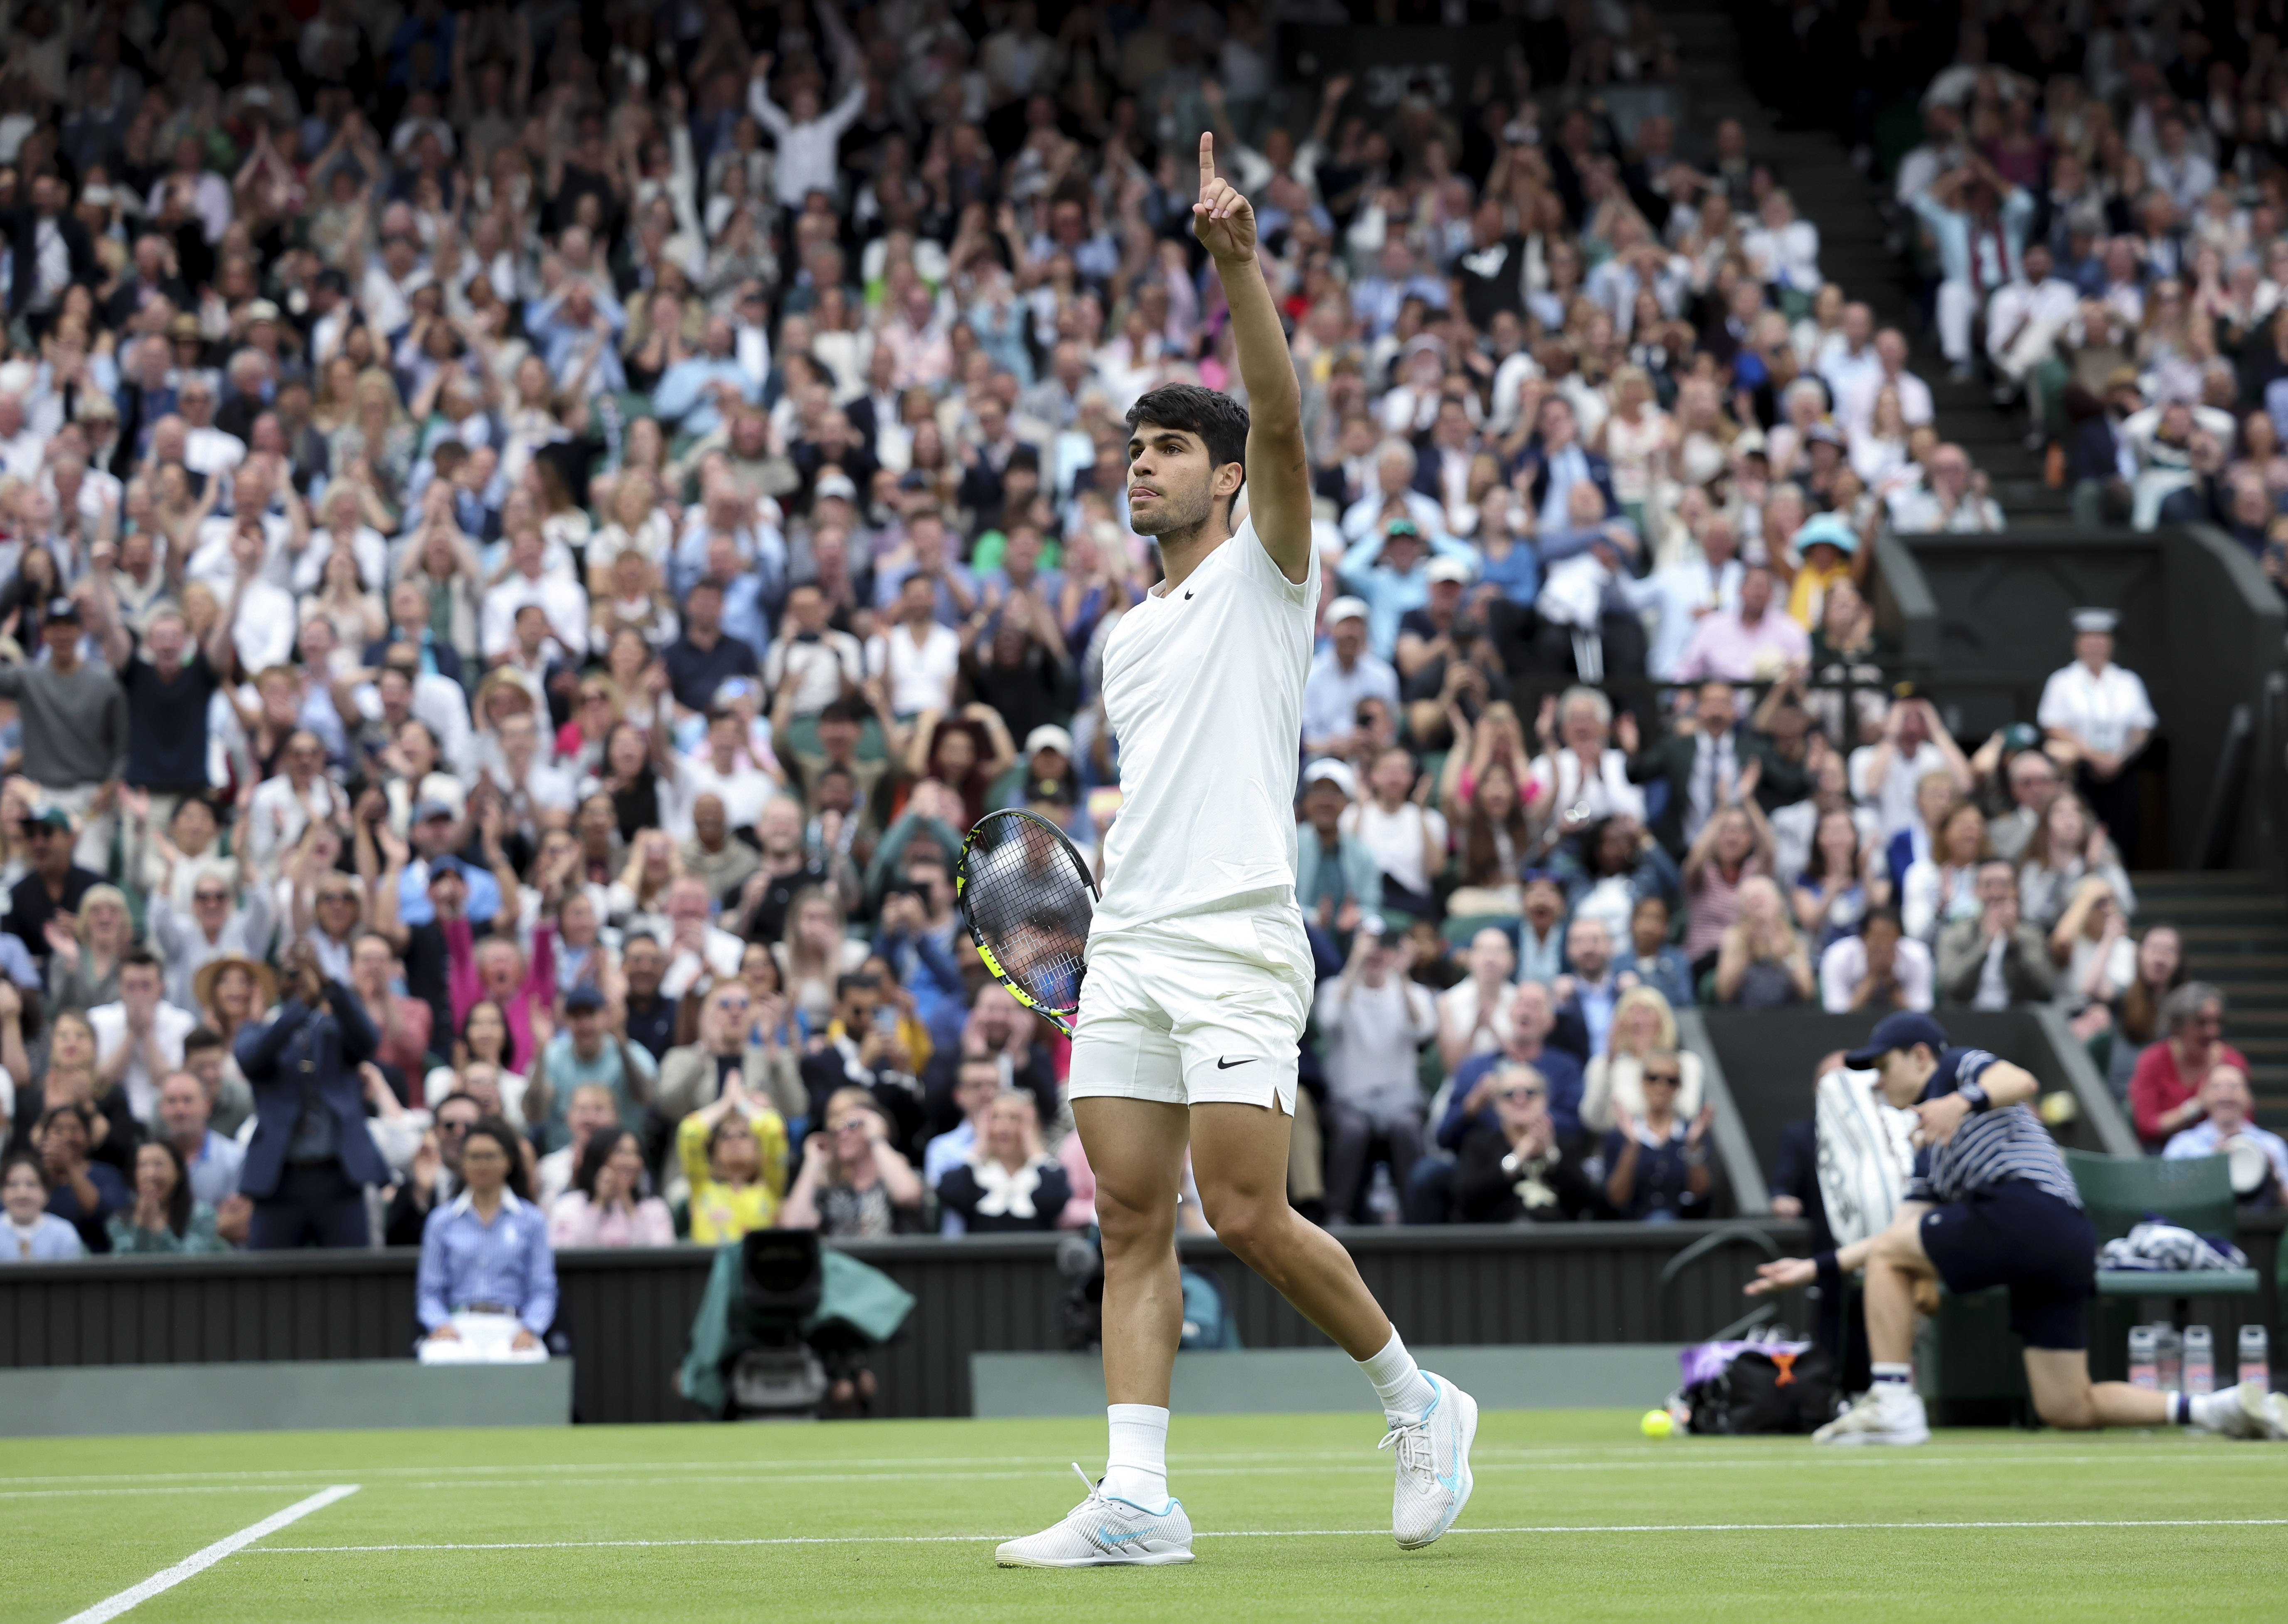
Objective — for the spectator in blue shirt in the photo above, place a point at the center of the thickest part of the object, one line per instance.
(693, 393)
(1532, 1019)
(924, 966)
(1390, 569)
(487, 1286)
(1653, 960)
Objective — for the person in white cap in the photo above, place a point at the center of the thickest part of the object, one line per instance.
(1429, 642)
(2097, 717)
(1050, 758)
(1337, 880)
(1343, 673)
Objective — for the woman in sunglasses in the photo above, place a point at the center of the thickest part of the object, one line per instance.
(1513, 1169)
(1656, 1164)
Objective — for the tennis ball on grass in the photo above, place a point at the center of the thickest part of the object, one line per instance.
(1657, 1424)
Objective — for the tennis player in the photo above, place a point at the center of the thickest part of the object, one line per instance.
(1991, 1204)
(1199, 976)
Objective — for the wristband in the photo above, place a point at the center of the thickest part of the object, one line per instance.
(1830, 1273)
(1976, 1096)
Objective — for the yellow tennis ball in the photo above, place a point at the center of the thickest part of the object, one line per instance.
(1657, 1424)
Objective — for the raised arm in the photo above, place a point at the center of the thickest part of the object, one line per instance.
(1278, 470)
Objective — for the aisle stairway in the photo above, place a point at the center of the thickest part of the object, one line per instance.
(2235, 930)
(1857, 252)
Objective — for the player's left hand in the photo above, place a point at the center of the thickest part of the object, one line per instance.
(1222, 219)
(1782, 1274)
(1940, 1118)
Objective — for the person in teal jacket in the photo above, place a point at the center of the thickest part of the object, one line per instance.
(1338, 882)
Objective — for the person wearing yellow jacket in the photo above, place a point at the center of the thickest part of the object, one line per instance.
(734, 1153)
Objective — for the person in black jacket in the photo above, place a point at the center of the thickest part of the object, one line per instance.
(1513, 1170)
(49, 241)
(312, 1156)
(1008, 1182)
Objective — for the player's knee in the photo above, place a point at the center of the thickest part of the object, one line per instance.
(1134, 1218)
(1247, 1225)
(1897, 1245)
(2068, 1412)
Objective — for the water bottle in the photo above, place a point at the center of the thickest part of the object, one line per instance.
(2255, 1348)
(2169, 1358)
(2142, 1347)
(2200, 1360)
(1382, 1196)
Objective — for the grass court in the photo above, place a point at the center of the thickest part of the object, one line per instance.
(1575, 1517)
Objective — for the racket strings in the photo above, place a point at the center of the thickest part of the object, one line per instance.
(1030, 905)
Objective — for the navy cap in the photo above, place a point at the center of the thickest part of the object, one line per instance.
(440, 867)
(583, 995)
(1903, 1030)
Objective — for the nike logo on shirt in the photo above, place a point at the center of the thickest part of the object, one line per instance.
(1224, 1066)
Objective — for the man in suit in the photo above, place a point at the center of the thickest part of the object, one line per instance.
(312, 1156)
(1554, 460)
(1702, 768)
(50, 242)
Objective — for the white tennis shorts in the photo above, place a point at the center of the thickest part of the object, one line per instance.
(1199, 1009)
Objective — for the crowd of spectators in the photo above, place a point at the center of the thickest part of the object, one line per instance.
(530, 534)
(2096, 196)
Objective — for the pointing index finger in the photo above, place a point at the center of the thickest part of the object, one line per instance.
(1207, 160)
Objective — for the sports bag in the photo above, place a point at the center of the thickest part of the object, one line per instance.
(1734, 1389)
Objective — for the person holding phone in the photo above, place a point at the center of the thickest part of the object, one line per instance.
(312, 1156)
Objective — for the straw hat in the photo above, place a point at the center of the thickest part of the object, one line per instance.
(265, 979)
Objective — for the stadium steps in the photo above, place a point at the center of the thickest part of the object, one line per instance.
(1856, 252)
(2234, 927)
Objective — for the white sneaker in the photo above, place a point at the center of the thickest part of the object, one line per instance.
(1433, 1466)
(1887, 1413)
(1102, 1531)
(2263, 1415)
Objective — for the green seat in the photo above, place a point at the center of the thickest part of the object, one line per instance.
(2193, 1192)
(1458, 929)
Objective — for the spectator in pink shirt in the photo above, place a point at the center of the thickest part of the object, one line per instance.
(607, 1206)
(1749, 644)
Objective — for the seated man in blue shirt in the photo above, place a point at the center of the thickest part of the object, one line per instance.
(1532, 1021)
(1991, 1203)
(486, 1291)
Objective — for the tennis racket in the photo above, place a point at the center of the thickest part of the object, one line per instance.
(1028, 899)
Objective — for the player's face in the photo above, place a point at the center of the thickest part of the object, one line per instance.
(1172, 483)
(1901, 1072)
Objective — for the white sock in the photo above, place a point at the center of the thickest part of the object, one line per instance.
(1136, 1468)
(2206, 1411)
(1893, 1374)
(1399, 1383)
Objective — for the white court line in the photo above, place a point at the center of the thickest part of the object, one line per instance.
(1734, 1449)
(199, 1562)
(1300, 1533)
(1643, 1461)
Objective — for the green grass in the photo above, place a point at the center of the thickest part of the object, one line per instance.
(902, 1514)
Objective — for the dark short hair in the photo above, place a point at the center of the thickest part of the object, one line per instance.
(856, 981)
(599, 1149)
(140, 958)
(30, 1159)
(200, 1040)
(1218, 420)
(1883, 915)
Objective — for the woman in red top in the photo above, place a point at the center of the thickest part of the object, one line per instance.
(2165, 1089)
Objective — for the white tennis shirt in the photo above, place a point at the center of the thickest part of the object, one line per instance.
(1204, 688)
